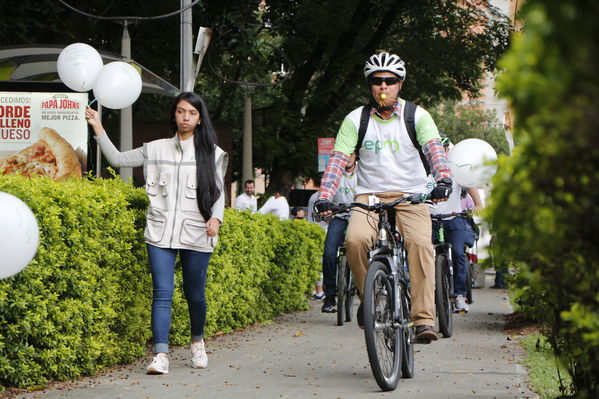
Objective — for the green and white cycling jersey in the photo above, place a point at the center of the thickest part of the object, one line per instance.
(388, 159)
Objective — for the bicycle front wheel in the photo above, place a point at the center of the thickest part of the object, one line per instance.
(383, 338)
(442, 300)
(341, 289)
(407, 352)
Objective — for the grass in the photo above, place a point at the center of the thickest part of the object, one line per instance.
(543, 368)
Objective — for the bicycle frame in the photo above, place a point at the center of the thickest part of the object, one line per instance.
(445, 248)
(389, 249)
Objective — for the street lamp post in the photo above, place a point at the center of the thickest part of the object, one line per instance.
(186, 46)
(247, 171)
(126, 135)
(245, 82)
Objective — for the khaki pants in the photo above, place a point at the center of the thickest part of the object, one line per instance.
(414, 224)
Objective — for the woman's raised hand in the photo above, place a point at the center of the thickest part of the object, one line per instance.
(93, 118)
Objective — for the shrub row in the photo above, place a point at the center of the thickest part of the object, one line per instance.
(83, 303)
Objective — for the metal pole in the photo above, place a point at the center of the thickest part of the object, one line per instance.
(98, 150)
(186, 46)
(247, 168)
(126, 113)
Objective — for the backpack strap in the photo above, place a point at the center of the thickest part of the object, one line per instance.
(408, 117)
(364, 118)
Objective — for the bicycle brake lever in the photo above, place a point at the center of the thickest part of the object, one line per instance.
(328, 218)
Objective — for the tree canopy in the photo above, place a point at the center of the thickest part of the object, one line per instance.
(447, 45)
(461, 122)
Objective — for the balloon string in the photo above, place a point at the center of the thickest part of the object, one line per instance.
(91, 102)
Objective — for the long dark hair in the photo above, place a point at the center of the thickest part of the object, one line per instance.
(204, 142)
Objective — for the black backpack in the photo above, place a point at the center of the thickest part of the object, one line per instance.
(409, 112)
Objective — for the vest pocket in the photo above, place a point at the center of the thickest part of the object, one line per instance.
(163, 183)
(157, 186)
(155, 225)
(193, 233)
(152, 184)
(189, 202)
(190, 187)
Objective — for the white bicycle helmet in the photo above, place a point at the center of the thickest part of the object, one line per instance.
(385, 62)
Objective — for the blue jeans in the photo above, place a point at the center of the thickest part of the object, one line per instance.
(455, 230)
(334, 239)
(162, 267)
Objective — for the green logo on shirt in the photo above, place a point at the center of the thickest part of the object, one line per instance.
(380, 145)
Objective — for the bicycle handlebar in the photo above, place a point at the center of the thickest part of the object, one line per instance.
(441, 216)
(381, 206)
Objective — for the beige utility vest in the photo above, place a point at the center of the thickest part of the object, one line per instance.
(173, 218)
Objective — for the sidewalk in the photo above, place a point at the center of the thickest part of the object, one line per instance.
(305, 355)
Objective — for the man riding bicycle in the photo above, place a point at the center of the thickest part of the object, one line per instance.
(455, 232)
(391, 166)
(336, 234)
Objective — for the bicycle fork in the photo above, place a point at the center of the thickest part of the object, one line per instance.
(399, 280)
(450, 264)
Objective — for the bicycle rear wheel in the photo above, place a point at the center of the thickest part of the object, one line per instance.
(341, 287)
(350, 292)
(383, 339)
(442, 300)
(407, 352)
(469, 282)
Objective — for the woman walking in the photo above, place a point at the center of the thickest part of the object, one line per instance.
(184, 177)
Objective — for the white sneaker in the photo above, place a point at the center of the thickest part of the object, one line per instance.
(159, 364)
(199, 358)
(460, 304)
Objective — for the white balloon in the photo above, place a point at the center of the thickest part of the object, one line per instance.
(78, 66)
(19, 235)
(118, 85)
(472, 162)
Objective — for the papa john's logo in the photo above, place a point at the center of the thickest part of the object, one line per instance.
(60, 102)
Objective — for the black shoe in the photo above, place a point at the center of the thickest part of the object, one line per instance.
(329, 305)
(360, 316)
(425, 334)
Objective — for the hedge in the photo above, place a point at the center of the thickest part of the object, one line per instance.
(544, 202)
(83, 303)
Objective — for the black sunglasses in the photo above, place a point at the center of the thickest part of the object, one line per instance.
(389, 80)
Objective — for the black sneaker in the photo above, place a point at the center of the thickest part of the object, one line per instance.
(425, 334)
(329, 305)
(360, 316)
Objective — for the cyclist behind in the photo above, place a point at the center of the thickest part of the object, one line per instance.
(336, 234)
(390, 167)
(455, 233)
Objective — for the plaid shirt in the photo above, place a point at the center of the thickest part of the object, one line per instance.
(332, 175)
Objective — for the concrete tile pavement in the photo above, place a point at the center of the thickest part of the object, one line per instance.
(305, 355)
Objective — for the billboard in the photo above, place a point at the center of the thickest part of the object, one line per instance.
(325, 147)
(43, 134)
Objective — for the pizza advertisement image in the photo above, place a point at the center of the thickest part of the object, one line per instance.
(43, 134)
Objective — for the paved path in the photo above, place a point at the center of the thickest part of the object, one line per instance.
(305, 355)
